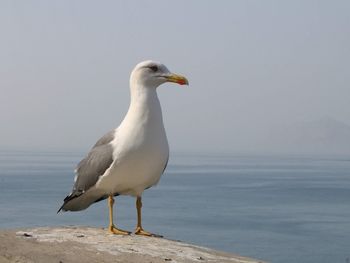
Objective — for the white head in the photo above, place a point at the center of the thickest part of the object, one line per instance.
(151, 74)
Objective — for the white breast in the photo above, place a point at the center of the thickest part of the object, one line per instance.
(140, 149)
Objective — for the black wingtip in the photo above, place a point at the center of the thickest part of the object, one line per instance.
(67, 199)
(59, 210)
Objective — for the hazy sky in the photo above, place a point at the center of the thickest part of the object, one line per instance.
(252, 65)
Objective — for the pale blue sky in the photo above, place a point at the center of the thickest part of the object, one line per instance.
(252, 65)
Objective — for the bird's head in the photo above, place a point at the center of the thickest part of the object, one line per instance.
(152, 74)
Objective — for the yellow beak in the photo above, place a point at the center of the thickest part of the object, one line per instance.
(177, 79)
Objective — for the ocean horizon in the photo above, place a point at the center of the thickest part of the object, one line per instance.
(277, 208)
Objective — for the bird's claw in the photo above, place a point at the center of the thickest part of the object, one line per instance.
(141, 232)
(117, 231)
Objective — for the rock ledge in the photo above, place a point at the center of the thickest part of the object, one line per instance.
(86, 244)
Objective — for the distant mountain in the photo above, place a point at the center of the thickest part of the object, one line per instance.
(324, 136)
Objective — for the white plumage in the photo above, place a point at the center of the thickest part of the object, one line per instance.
(131, 158)
(140, 146)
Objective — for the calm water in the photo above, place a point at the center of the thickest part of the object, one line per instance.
(279, 209)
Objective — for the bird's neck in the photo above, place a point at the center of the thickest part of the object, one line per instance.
(145, 104)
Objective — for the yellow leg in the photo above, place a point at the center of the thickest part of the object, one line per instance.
(139, 230)
(111, 227)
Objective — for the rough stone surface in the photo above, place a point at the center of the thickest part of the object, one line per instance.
(85, 244)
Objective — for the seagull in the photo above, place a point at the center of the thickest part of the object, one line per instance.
(132, 157)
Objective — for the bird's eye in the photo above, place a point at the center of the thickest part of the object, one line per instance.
(154, 68)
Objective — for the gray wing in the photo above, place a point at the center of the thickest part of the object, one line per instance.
(98, 160)
(88, 171)
(166, 164)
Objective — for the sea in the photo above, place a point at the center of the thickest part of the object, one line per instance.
(276, 208)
